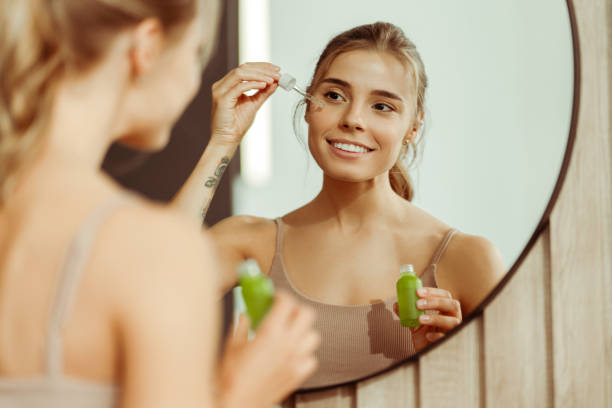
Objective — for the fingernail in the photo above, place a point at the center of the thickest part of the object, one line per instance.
(276, 75)
(425, 318)
(421, 302)
(422, 291)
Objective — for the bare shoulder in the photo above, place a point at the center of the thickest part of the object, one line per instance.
(241, 237)
(471, 267)
(145, 249)
(161, 277)
(250, 236)
(240, 226)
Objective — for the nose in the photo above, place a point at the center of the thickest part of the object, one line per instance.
(352, 119)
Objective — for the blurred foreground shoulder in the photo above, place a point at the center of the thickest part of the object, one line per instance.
(164, 305)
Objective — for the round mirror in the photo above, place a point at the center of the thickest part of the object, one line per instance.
(498, 108)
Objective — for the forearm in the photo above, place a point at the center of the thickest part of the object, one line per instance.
(195, 196)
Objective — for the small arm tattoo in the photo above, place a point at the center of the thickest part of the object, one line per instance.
(213, 181)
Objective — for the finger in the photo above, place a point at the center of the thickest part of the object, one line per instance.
(442, 322)
(281, 311)
(444, 305)
(264, 65)
(265, 68)
(236, 92)
(309, 344)
(434, 336)
(302, 321)
(242, 74)
(306, 369)
(260, 97)
(240, 331)
(433, 292)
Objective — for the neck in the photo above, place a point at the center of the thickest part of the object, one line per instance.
(356, 204)
(82, 122)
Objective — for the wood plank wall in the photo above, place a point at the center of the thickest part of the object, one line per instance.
(546, 339)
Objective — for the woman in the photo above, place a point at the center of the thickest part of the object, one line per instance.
(107, 299)
(341, 253)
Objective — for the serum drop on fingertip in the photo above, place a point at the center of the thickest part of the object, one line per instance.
(288, 83)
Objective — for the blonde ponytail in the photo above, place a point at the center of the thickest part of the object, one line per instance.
(30, 62)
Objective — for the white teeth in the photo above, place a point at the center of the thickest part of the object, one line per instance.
(350, 147)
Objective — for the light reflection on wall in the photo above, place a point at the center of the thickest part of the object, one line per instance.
(254, 40)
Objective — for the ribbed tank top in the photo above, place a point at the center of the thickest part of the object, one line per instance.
(356, 341)
(52, 389)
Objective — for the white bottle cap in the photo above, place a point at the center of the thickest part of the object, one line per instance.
(249, 268)
(408, 268)
(287, 82)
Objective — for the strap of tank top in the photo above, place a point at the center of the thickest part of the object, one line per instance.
(279, 236)
(442, 247)
(72, 269)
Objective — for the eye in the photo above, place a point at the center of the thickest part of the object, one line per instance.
(383, 107)
(334, 96)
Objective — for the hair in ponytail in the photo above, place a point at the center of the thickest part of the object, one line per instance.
(383, 37)
(40, 40)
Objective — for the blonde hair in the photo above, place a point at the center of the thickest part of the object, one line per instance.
(40, 40)
(382, 37)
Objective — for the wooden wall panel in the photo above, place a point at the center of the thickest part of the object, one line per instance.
(450, 375)
(516, 337)
(608, 218)
(342, 397)
(580, 232)
(394, 389)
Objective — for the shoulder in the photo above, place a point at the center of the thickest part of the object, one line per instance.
(471, 267)
(162, 292)
(244, 232)
(243, 224)
(145, 251)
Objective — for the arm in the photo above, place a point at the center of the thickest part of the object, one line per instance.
(232, 114)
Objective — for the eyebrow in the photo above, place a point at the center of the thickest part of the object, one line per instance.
(380, 92)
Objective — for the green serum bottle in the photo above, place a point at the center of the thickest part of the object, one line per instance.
(257, 291)
(407, 285)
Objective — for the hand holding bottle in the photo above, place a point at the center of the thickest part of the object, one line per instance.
(233, 112)
(263, 371)
(433, 326)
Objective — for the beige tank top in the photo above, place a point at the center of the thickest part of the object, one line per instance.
(53, 389)
(356, 341)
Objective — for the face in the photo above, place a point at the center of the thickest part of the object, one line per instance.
(160, 93)
(369, 111)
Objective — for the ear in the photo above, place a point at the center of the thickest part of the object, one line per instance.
(413, 132)
(147, 44)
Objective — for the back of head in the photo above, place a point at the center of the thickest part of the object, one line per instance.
(40, 40)
(382, 37)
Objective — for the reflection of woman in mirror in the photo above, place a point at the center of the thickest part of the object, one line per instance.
(341, 252)
(107, 299)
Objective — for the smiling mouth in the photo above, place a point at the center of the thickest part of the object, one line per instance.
(349, 147)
